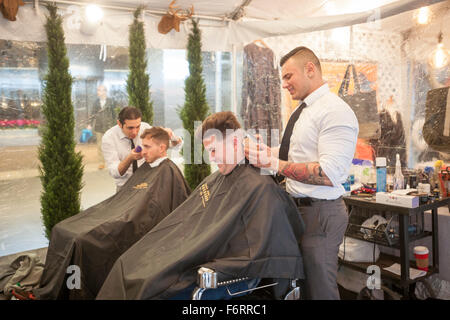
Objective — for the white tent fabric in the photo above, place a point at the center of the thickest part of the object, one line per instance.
(251, 30)
(281, 18)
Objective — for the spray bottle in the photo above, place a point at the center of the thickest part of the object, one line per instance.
(398, 176)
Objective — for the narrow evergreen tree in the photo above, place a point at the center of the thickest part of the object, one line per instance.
(195, 106)
(138, 80)
(61, 168)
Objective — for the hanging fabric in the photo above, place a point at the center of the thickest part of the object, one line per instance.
(261, 93)
(364, 104)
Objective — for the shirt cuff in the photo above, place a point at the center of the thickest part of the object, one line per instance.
(114, 170)
(334, 178)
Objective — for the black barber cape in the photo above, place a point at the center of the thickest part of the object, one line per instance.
(96, 237)
(242, 224)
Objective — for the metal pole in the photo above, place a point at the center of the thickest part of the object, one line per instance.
(233, 80)
(157, 12)
(218, 80)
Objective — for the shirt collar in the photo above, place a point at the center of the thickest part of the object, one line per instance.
(316, 94)
(157, 162)
(121, 134)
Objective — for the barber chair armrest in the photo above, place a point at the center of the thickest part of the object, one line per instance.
(210, 279)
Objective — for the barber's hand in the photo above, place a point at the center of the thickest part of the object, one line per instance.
(259, 154)
(135, 155)
(174, 140)
(170, 132)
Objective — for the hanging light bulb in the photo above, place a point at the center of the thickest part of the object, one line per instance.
(439, 58)
(341, 35)
(93, 13)
(91, 20)
(423, 15)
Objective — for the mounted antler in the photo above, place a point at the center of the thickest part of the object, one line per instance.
(9, 8)
(171, 20)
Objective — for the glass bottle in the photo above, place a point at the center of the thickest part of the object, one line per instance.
(398, 175)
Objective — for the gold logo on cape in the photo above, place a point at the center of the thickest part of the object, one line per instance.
(204, 194)
(141, 186)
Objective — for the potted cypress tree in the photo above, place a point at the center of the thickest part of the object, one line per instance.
(61, 168)
(138, 80)
(195, 107)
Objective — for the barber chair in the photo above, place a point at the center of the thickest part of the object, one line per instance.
(267, 289)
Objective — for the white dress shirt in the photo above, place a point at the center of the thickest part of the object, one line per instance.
(116, 146)
(326, 132)
(157, 162)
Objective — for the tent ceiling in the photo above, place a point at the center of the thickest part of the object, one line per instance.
(256, 9)
(261, 19)
(270, 10)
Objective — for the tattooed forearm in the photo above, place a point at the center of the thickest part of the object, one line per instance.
(309, 173)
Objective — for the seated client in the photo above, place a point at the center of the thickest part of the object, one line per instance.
(92, 240)
(237, 222)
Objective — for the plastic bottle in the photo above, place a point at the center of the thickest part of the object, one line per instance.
(356, 170)
(436, 192)
(398, 175)
(347, 187)
(381, 174)
(365, 173)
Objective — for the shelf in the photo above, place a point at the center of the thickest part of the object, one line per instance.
(384, 261)
(417, 237)
(403, 243)
(370, 203)
(396, 245)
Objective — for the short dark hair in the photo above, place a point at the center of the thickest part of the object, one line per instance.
(158, 134)
(129, 113)
(221, 121)
(304, 52)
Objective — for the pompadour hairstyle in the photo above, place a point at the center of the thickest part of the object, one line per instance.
(221, 121)
(158, 134)
(303, 52)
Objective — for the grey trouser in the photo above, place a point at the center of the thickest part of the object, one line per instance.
(325, 225)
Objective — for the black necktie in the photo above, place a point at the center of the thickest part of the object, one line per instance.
(286, 140)
(134, 161)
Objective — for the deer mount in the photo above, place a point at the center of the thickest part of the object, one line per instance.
(173, 17)
(9, 8)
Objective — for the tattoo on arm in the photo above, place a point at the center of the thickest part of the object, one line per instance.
(309, 173)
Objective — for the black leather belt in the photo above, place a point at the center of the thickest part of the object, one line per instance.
(307, 201)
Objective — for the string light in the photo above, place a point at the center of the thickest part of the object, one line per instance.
(439, 58)
(423, 15)
(93, 13)
(341, 35)
(92, 19)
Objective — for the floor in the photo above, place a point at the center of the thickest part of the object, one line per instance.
(21, 227)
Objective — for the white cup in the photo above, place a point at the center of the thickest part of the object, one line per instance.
(421, 253)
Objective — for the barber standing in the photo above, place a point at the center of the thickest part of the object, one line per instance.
(119, 145)
(315, 156)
